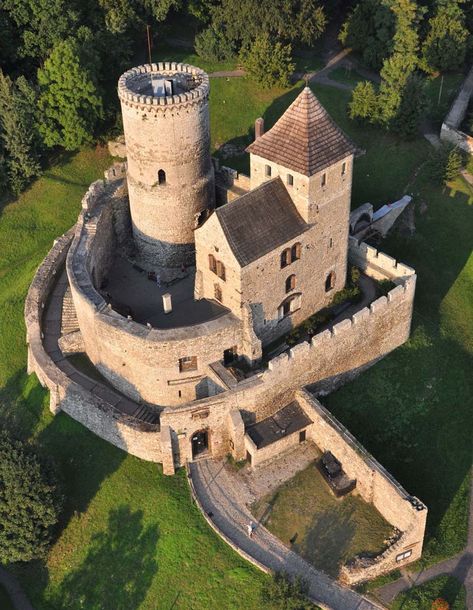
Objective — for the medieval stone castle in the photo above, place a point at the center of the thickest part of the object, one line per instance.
(159, 320)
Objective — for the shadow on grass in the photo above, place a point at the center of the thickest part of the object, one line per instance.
(118, 569)
(327, 540)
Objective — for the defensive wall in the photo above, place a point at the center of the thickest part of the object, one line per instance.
(95, 413)
(450, 131)
(376, 486)
(141, 361)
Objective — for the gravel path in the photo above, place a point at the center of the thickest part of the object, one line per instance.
(222, 495)
(14, 590)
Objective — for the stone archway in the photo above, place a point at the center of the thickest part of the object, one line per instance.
(200, 443)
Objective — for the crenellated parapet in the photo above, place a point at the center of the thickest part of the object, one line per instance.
(135, 84)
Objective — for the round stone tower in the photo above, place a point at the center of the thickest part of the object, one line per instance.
(170, 174)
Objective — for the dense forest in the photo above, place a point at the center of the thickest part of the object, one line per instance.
(60, 59)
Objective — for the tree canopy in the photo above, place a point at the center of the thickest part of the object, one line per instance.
(29, 503)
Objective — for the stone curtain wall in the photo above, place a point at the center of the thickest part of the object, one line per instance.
(374, 485)
(142, 362)
(93, 412)
(450, 131)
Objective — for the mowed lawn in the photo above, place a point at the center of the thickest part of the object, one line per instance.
(326, 531)
(131, 538)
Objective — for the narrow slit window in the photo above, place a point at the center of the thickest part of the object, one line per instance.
(267, 170)
(330, 281)
(323, 182)
(290, 180)
(344, 169)
(161, 177)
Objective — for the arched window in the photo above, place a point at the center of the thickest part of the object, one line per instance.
(285, 258)
(218, 293)
(290, 283)
(221, 270)
(330, 281)
(296, 252)
(289, 305)
(161, 177)
(212, 263)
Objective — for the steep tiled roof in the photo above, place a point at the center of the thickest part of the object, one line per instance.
(260, 221)
(305, 139)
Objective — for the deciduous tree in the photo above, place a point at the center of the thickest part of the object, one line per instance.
(269, 63)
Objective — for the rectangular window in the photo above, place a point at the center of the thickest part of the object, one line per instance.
(267, 170)
(344, 169)
(290, 179)
(331, 243)
(188, 363)
(217, 293)
(302, 436)
(404, 555)
(324, 180)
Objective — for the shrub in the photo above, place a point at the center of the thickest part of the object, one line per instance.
(445, 163)
(29, 503)
(440, 604)
(286, 594)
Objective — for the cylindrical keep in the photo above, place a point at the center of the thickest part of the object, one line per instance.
(170, 174)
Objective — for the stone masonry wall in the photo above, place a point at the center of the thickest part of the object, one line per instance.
(94, 413)
(142, 362)
(374, 485)
(170, 134)
(450, 131)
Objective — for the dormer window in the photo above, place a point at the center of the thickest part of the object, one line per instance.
(267, 171)
(161, 177)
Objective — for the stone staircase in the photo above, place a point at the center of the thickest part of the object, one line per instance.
(69, 322)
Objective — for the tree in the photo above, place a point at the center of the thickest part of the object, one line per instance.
(364, 102)
(413, 106)
(213, 45)
(285, 594)
(19, 131)
(446, 43)
(369, 30)
(29, 503)
(445, 163)
(69, 101)
(269, 63)
(41, 24)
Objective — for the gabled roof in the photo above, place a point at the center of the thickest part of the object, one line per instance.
(305, 139)
(260, 221)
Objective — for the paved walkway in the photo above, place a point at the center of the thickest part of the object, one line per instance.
(221, 496)
(459, 566)
(14, 590)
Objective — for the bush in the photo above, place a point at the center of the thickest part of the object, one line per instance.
(268, 63)
(286, 594)
(213, 45)
(29, 503)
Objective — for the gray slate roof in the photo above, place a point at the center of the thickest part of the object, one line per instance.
(305, 138)
(260, 221)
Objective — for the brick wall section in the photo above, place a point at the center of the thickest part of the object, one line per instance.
(94, 413)
(374, 484)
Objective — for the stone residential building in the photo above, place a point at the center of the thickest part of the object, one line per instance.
(180, 281)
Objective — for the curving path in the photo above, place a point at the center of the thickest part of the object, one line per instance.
(221, 498)
(14, 590)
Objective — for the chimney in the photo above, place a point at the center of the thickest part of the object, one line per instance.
(259, 128)
(167, 302)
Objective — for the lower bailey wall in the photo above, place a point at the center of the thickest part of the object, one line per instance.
(375, 486)
(127, 433)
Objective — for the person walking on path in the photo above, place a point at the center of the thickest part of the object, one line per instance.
(251, 528)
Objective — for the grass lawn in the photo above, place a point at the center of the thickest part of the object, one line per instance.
(326, 531)
(349, 76)
(422, 597)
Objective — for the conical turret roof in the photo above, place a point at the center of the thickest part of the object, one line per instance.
(305, 139)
